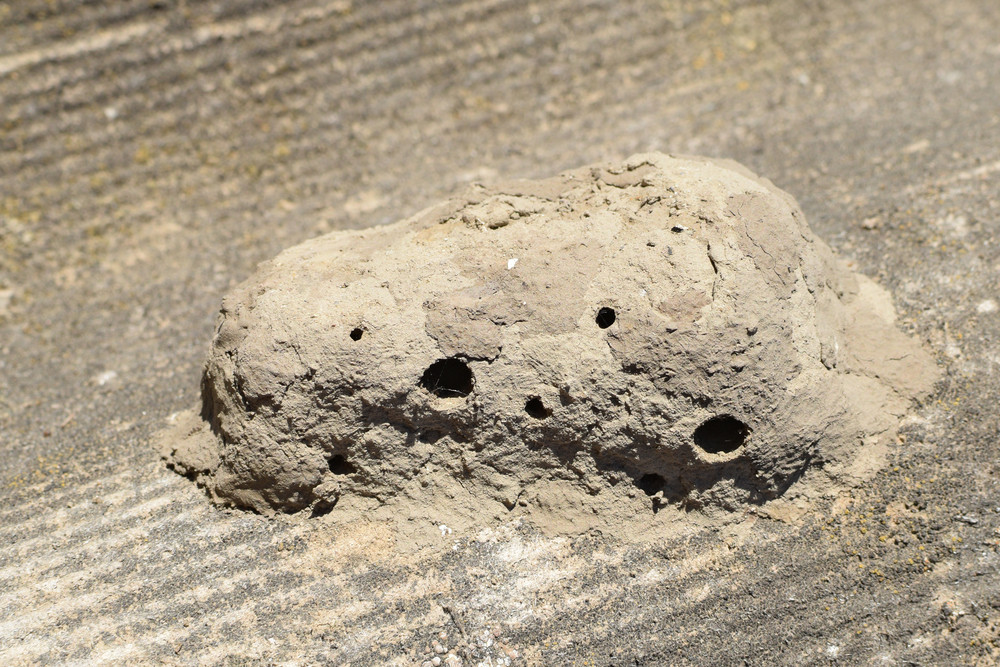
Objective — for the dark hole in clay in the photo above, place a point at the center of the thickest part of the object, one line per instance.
(322, 509)
(448, 378)
(430, 437)
(721, 434)
(357, 333)
(606, 317)
(340, 466)
(650, 483)
(536, 408)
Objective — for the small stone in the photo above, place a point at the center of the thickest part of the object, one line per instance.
(105, 378)
(6, 296)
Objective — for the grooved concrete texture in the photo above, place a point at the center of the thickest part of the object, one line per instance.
(151, 153)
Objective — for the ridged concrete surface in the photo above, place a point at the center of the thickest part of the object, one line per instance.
(152, 152)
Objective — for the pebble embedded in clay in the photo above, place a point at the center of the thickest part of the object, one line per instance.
(617, 339)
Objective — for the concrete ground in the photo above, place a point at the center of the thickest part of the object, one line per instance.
(153, 151)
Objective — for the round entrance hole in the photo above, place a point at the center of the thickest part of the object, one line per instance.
(721, 434)
(606, 317)
(536, 408)
(651, 483)
(357, 333)
(448, 378)
(339, 465)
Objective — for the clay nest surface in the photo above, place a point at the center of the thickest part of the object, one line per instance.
(661, 332)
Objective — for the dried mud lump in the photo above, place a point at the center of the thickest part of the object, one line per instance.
(659, 331)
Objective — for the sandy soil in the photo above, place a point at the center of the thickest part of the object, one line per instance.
(153, 152)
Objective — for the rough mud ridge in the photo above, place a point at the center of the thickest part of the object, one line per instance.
(662, 330)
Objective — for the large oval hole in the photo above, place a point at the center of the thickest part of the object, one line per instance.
(536, 408)
(339, 465)
(606, 317)
(651, 483)
(448, 378)
(721, 434)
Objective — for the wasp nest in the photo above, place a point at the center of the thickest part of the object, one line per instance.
(663, 330)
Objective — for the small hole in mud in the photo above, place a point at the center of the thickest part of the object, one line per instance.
(606, 317)
(430, 437)
(721, 434)
(536, 408)
(322, 508)
(340, 466)
(357, 333)
(448, 378)
(650, 483)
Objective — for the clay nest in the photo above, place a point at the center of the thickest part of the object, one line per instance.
(617, 339)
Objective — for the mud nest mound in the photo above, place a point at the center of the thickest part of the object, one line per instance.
(629, 336)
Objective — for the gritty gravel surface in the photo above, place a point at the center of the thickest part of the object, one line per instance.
(153, 152)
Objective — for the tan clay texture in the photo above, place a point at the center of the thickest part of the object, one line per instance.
(662, 332)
